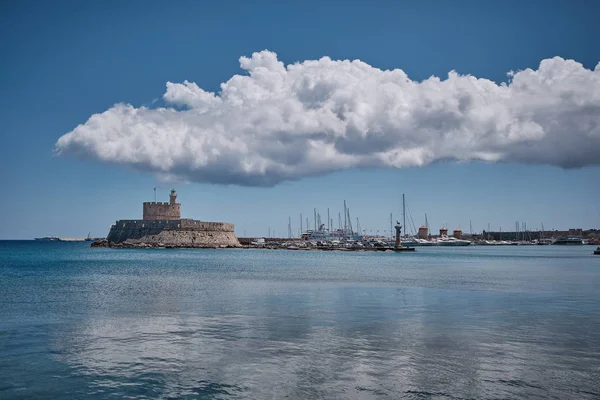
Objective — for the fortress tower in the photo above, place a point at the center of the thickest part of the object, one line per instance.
(154, 211)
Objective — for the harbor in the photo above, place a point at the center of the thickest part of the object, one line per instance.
(162, 226)
(321, 241)
(385, 244)
(347, 236)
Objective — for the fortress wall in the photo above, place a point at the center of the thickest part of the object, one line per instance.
(180, 233)
(191, 224)
(126, 229)
(161, 211)
(184, 224)
(143, 223)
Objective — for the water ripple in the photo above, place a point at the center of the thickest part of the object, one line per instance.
(470, 323)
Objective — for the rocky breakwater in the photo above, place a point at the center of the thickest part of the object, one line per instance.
(183, 233)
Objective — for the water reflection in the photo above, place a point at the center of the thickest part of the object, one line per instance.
(275, 325)
(318, 341)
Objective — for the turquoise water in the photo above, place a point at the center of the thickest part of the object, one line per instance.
(443, 323)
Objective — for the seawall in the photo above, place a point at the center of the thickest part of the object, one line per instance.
(171, 233)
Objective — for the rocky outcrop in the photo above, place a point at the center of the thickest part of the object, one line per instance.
(100, 243)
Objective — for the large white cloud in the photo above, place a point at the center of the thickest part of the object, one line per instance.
(287, 122)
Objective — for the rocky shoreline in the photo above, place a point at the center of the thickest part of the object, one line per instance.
(142, 245)
(129, 244)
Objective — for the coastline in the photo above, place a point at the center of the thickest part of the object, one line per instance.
(103, 243)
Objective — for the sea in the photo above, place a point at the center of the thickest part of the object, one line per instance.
(477, 322)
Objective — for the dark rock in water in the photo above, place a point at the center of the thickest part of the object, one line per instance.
(100, 243)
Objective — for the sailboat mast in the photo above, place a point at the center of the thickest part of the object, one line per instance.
(350, 222)
(543, 233)
(345, 218)
(403, 214)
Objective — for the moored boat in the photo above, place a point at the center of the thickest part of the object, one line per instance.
(568, 241)
(452, 241)
(417, 242)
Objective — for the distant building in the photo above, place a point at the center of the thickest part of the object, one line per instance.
(458, 233)
(443, 232)
(533, 235)
(575, 232)
(423, 232)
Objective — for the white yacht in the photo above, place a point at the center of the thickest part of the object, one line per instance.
(413, 241)
(569, 240)
(488, 243)
(452, 241)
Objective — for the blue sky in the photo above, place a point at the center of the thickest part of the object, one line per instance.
(64, 62)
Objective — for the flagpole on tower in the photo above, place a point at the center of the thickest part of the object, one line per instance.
(155, 195)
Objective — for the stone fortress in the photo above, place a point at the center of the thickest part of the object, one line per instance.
(170, 211)
(162, 226)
